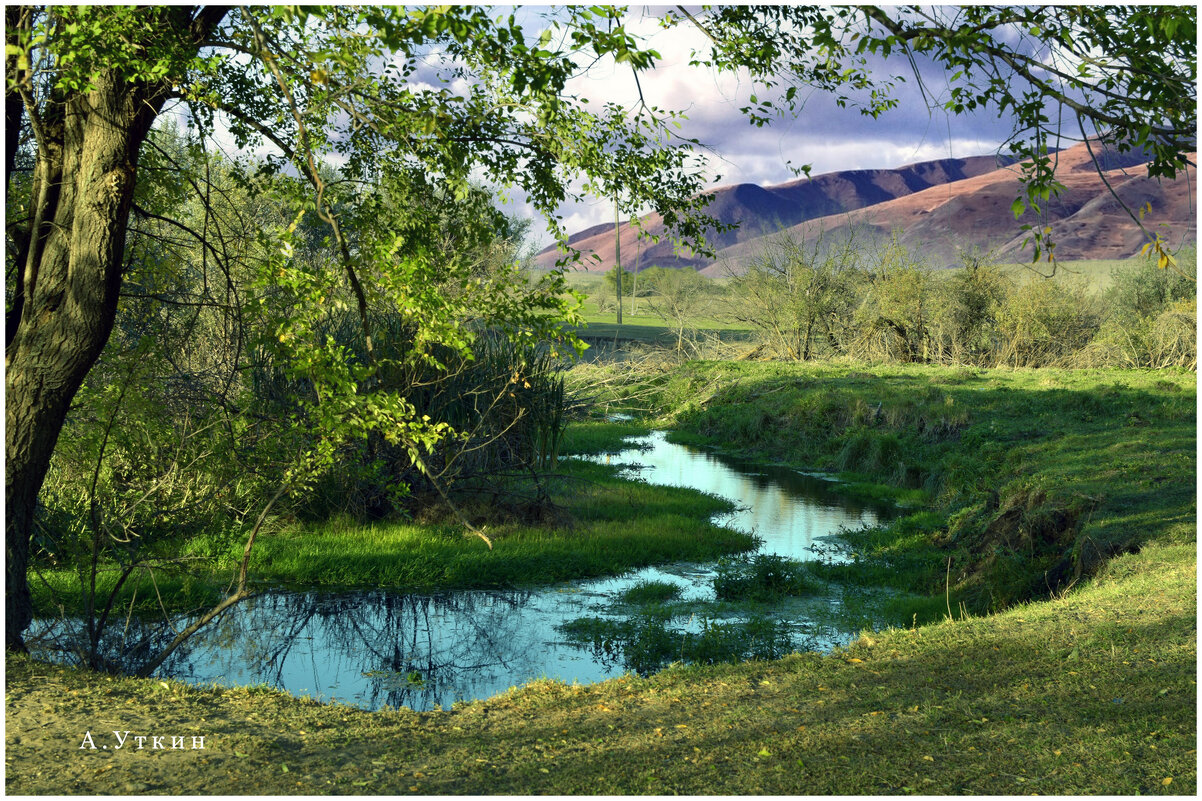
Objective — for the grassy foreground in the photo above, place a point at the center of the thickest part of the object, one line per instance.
(1092, 693)
(1089, 691)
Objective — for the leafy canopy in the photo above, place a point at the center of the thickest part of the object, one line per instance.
(1124, 75)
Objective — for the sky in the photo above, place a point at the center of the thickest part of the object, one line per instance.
(824, 136)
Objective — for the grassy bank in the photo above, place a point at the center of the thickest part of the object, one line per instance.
(1090, 694)
(596, 525)
(1035, 477)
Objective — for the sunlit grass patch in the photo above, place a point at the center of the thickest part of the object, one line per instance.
(611, 526)
(607, 526)
(650, 592)
(1038, 475)
(586, 437)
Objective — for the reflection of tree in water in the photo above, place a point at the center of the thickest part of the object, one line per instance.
(123, 649)
(411, 650)
(401, 650)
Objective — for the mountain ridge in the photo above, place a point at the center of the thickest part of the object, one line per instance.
(941, 207)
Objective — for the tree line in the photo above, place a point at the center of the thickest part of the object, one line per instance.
(828, 297)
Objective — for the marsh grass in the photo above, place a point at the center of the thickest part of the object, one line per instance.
(762, 577)
(650, 592)
(649, 642)
(607, 526)
(590, 437)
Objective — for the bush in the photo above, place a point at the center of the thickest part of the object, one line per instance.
(1152, 320)
(1045, 322)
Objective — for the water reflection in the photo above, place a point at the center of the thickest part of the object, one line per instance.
(379, 648)
(790, 511)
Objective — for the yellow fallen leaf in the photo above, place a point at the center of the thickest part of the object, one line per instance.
(1167, 781)
(1056, 752)
(853, 660)
(928, 758)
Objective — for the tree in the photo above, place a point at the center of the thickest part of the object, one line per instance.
(798, 293)
(86, 85)
(679, 297)
(1113, 76)
(611, 282)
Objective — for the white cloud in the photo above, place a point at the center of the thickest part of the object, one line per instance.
(824, 136)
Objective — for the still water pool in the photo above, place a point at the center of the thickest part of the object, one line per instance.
(382, 647)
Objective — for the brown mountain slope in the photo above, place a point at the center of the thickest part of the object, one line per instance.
(765, 210)
(1087, 221)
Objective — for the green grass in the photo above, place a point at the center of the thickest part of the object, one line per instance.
(763, 578)
(644, 325)
(647, 643)
(1098, 273)
(590, 437)
(614, 526)
(1034, 473)
(57, 592)
(654, 331)
(603, 526)
(650, 592)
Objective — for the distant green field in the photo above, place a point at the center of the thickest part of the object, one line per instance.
(639, 322)
(1098, 272)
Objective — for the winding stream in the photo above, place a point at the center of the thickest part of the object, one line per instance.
(378, 648)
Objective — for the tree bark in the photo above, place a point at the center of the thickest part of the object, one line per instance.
(88, 146)
(70, 283)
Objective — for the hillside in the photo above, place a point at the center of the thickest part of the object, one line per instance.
(1087, 221)
(765, 210)
(941, 207)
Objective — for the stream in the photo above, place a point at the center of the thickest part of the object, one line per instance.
(387, 648)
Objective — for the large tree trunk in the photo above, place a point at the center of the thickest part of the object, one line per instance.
(69, 267)
(83, 185)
